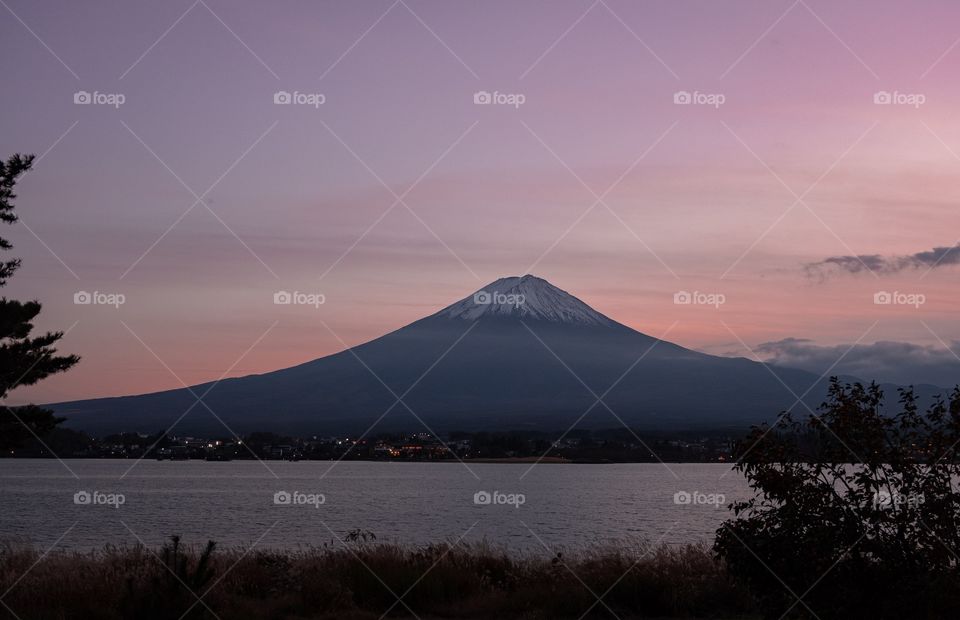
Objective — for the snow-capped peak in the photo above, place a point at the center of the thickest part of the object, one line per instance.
(526, 297)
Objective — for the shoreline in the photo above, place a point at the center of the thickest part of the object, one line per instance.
(519, 460)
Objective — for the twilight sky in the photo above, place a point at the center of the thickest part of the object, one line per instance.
(199, 197)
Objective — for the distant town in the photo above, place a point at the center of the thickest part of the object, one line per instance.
(577, 446)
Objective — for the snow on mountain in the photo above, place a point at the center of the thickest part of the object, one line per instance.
(492, 374)
(526, 297)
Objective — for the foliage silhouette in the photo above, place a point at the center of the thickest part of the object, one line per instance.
(23, 360)
(855, 513)
(178, 589)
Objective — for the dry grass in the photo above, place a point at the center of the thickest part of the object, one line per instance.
(364, 581)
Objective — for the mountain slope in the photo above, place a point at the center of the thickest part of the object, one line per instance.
(520, 353)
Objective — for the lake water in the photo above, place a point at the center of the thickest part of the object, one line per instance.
(554, 506)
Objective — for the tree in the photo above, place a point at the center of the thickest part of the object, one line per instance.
(24, 360)
(854, 511)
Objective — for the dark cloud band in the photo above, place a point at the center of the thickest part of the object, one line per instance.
(937, 257)
(884, 361)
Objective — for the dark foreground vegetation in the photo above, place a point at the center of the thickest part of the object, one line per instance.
(25, 356)
(361, 580)
(364, 579)
(855, 512)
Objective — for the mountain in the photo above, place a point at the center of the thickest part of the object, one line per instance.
(520, 353)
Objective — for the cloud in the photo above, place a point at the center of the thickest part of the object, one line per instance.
(884, 361)
(883, 265)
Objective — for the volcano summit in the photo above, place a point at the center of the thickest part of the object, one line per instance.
(519, 353)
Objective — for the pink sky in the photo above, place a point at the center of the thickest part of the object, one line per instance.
(497, 190)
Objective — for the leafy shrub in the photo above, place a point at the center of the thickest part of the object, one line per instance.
(856, 514)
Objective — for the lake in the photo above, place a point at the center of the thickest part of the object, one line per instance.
(85, 504)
